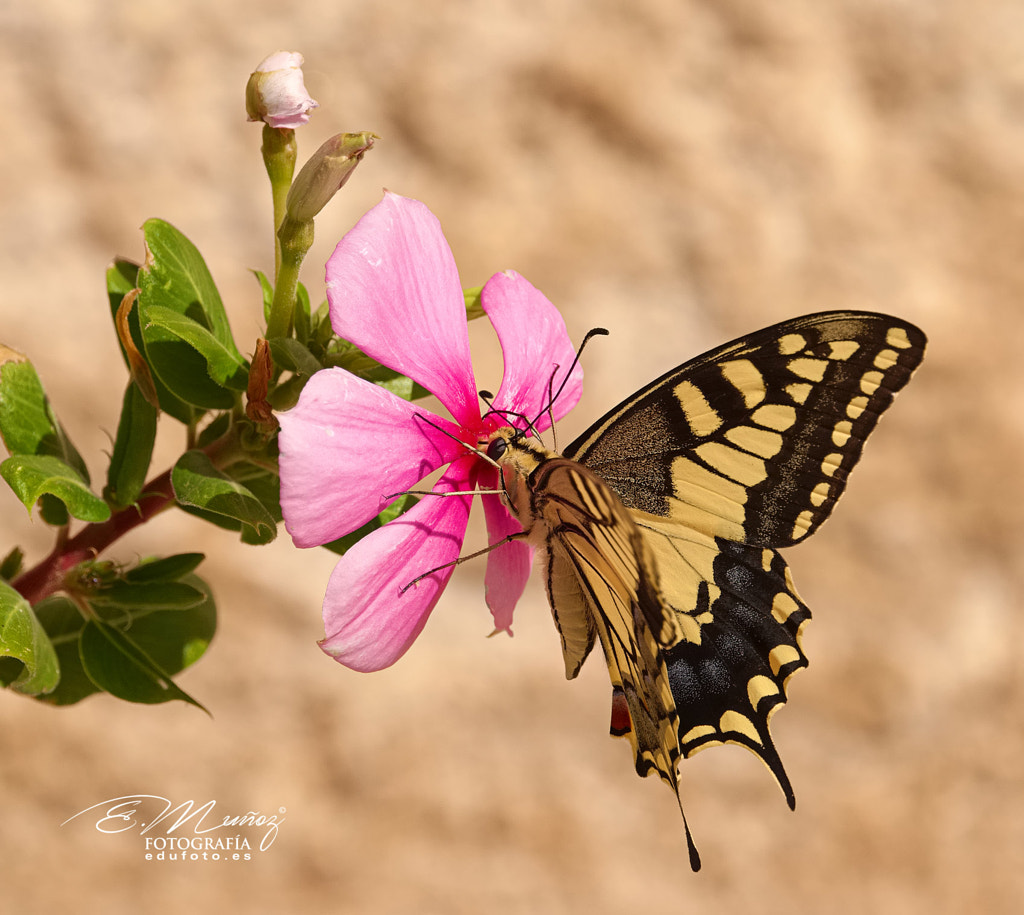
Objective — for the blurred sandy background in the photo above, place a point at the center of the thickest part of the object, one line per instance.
(680, 172)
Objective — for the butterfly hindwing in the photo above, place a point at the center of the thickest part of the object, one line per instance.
(592, 543)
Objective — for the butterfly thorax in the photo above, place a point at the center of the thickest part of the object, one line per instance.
(517, 458)
(536, 482)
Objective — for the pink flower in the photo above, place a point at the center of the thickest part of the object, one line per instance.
(276, 92)
(348, 447)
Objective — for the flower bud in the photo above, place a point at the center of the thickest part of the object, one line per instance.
(325, 172)
(276, 93)
(257, 408)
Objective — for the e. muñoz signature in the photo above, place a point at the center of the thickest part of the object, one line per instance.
(121, 814)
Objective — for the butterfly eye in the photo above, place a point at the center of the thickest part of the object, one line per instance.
(497, 448)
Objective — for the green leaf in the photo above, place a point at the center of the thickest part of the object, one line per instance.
(399, 507)
(217, 427)
(53, 511)
(12, 563)
(122, 277)
(33, 476)
(301, 315)
(175, 277)
(116, 663)
(321, 330)
(400, 386)
(24, 639)
(265, 486)
(223, 363)
(175, 639)
(24, 420)
(176, 263)
(133, 449)
(199, 485)
(146, 596)
(27, 422)
(289, 354)
(474, 306)
(267, 291)
(170, 568)
(286, 394)
(31, 431)
(171, 639)
(63, 623)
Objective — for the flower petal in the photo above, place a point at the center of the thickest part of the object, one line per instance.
(508, 565)
(370, 622)
(394, 292)
(536, 348)
(346, 447)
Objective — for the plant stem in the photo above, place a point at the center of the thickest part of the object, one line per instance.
(48, 576)
(296, 239)
(279, 153)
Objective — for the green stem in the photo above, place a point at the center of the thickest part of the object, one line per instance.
(295, 239)
(279, 154)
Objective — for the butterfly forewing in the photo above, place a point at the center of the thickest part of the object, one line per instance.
(754, 441)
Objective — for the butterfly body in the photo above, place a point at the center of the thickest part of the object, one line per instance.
(602, 584)
(659, 526)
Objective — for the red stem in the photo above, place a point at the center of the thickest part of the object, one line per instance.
(48, 576)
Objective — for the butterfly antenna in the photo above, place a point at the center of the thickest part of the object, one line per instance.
(487, 397)
(593, 332)
(551, 408)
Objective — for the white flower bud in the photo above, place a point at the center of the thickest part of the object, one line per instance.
(276, 94)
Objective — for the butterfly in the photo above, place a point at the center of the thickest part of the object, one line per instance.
(658, 528)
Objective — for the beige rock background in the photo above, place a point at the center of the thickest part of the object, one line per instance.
(679, 172)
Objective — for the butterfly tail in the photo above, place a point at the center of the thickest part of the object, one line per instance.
(622, 726)
(690, 846)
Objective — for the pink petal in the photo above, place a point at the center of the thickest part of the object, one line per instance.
(346, 447)
(394, 292)
(536, 348)
(508, 565)
(369, 620)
